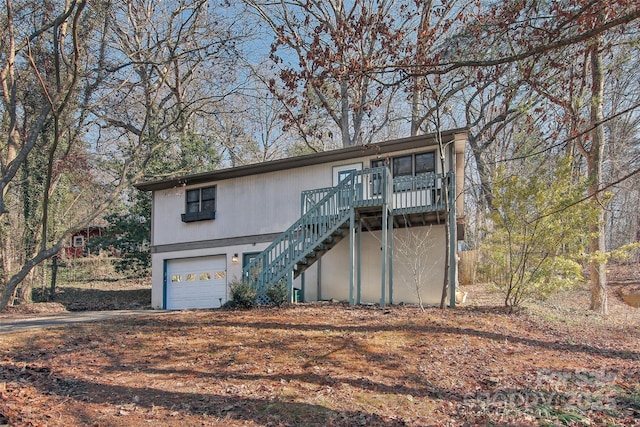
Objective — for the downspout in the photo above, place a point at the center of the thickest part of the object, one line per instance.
(453, 238)
(453, 263)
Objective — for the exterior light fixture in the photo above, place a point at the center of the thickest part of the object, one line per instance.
(234, 258)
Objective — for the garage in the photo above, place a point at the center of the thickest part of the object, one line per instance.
(196, 282)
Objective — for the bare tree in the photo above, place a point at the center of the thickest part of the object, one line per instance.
(578, 90)
(250, 130)
(569, 51)
(412, 247)
(126, 83)
(321, 48)
(622, 94)
(176, 62)
(37, 97)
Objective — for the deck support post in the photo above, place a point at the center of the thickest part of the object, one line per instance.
(319, 281)
(359, 263)
(385, 232)
(352, 254)
(390, 258)
(292, 297)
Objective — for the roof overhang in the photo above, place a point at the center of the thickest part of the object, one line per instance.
(456, 136)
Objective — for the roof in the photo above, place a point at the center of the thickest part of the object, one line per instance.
(427, 140)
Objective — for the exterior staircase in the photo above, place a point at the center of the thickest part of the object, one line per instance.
(324, 222)
(328, 214)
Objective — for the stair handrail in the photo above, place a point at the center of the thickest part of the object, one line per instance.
(272, 262)
(372, 188)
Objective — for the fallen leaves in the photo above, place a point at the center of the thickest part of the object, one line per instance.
(291, 366)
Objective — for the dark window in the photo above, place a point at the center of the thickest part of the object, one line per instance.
(378, 163)
(425, 163)
(208, 199)
(201, 204)
(193, 201)
(409, 165)
(376, 181)
(402, 166)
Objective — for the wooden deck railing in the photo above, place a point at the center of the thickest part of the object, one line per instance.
(411, 194)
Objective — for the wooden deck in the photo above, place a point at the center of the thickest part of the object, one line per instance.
(413, 201)
(371, 198)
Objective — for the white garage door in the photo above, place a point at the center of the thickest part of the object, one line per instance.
(196, 282)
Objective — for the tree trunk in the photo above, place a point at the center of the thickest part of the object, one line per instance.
(447, 207)
(422, 43)
(597, 267)
(26, 289)
(597, 249)
(416, 97)
(15, 280)
(485, 172)
(54, 278)
(344, 115)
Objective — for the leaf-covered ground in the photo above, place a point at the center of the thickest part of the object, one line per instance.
(330, 364)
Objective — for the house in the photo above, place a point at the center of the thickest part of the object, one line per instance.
(77, 246)
(332, 225)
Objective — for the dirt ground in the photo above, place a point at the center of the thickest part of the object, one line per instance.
(552, 363)
(96, 295)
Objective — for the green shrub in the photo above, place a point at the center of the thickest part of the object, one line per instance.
(538, 232)
(243, 295)
(278, 293)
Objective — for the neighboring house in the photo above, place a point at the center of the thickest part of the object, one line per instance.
(321, 223)
(77, 247)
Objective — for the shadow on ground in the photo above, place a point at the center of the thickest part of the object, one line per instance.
(83, 299)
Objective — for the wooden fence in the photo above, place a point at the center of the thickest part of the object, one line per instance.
(468, 267)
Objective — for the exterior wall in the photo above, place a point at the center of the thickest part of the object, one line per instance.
(250, 205)
(459, 169)
(335, 270)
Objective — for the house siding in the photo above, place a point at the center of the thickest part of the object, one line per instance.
(335, 270)
(275, 200)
